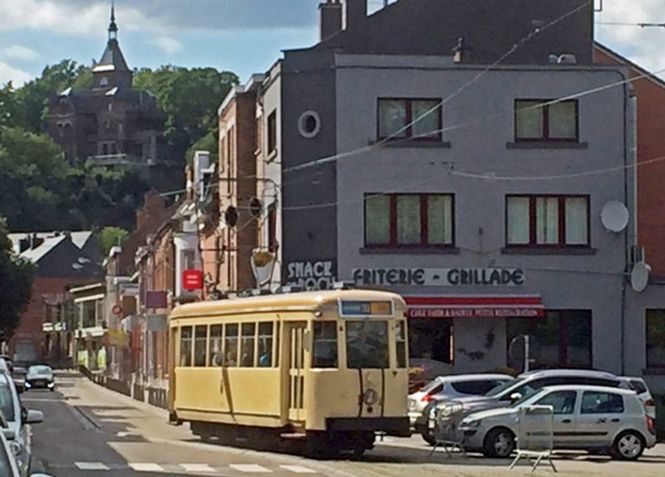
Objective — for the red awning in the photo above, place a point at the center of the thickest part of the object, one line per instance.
(501, 306)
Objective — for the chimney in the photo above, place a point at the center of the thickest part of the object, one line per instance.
(331, 18)
(354, 14)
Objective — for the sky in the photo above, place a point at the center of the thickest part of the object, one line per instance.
(244, 36)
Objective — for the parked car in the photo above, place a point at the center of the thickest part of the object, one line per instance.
(8, 467)
(592, 418)
(448, 388)
(15, 421)
(18, 374)
(40, 376)
(640, 386)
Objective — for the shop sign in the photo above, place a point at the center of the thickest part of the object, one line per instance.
(319, 275)
(475, 313)
(447, 277)
(192, 280)
(154, 299)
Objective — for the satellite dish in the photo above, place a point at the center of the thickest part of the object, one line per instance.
(639, 277)
(615, 216)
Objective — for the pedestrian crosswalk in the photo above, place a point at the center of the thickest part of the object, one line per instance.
(193, 468)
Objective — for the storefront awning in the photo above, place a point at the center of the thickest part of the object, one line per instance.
(499, 306)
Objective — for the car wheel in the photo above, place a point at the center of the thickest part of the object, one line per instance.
(428, 436)
(628, 446)
(499, 442)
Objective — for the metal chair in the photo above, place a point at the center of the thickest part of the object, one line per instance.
(446, 431)
(535, 435)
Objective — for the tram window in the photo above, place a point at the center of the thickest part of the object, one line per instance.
(186, 346)
(325, 345)
(367, 344)
(200, 341)
(265, 345)
(247, 345)
(277, 344)
(231, 346)
(400, 342)
(216, 356)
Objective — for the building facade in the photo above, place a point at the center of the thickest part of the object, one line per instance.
(110, 123)
(404, 162)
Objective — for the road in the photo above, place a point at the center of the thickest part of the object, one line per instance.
(90, 431)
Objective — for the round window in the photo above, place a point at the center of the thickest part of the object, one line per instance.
(309, 124)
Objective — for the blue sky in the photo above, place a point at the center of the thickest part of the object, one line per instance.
(244, 36)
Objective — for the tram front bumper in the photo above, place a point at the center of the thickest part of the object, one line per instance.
(392, 426)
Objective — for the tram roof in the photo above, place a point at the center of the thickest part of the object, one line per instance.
(302, 301)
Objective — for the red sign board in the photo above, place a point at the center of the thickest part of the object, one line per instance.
(192, 280)
(156, 299)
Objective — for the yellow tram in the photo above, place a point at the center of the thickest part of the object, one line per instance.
(329, 367)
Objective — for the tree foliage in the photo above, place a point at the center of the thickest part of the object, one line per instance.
(110, 237)
(189, 97)
(16, 277)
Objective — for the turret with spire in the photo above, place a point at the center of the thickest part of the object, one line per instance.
(112, 71)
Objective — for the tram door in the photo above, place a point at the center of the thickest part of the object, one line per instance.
(295, 333)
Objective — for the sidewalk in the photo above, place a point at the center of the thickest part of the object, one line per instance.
(116, 413)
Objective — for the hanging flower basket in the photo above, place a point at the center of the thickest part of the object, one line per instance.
(263, 265)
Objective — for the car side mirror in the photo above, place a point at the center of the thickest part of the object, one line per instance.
(34, 417)
(515, 397)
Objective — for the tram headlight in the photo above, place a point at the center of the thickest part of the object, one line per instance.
(370, 397)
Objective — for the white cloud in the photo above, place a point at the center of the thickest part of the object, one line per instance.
(66, 17)
(16, 76)
(19, 52)
(643, 46)
(168, 45)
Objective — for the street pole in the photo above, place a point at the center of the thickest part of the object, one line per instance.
(526, 353)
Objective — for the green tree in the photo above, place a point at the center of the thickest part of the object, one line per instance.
(8, 105)
(33, 180)
(16, 275)
(110, 237)
(189, 97)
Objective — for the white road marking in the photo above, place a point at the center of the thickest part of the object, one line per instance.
(298, 469)
(253, 468)
(91, 466)
(197, 468)
(139, 467)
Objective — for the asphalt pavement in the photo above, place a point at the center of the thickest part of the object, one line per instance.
(91, 431)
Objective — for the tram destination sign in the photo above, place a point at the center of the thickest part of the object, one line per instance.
(447, 277)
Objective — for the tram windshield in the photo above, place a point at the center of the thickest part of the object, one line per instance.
(367, 344)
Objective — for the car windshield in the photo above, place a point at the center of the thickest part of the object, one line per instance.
(40, 369)
(6, 400)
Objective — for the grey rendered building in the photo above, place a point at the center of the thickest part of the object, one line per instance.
(485, 212)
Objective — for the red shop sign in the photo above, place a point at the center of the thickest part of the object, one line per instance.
(192, 280)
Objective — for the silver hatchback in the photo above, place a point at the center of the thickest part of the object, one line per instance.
(593, 418)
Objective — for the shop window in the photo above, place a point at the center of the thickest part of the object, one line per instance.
(215, 346)
(536, 120)
(431, 341)
(547, 221)
(186, 339)
(325, 345)
(416, 119)
(200, 343)
(562, 339)
(231, 346)
(265, 344)
(247, 345)
(655, 327)
(409, 220)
